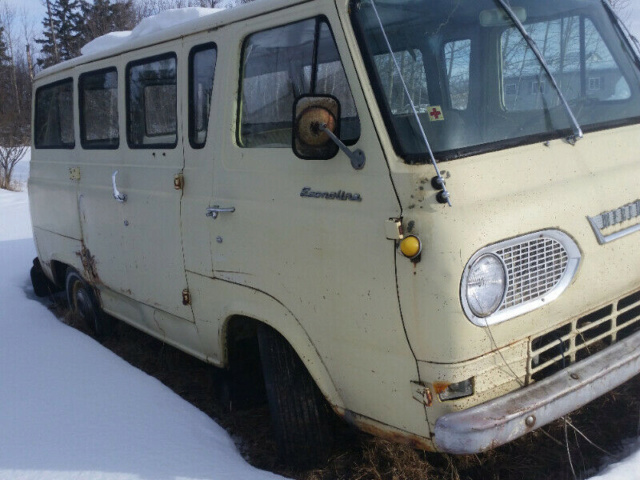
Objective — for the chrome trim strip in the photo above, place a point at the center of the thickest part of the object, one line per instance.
(604, 239)
(615, 217)
(506, 418)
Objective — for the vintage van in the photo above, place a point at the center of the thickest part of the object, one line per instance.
(421, 215)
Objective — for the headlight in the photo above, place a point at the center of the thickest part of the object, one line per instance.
(486, 285)
(513, 277)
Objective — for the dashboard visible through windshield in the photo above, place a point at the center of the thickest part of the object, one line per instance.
(476, 84)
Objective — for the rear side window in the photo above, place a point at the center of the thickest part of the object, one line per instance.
(412, 67)
(202, 66)
(578, 58)
(457, 57)
(99, 109)
(152, 103)
(282, 64)
(54, 116)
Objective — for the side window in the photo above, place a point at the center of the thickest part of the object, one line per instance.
(202, 66)
(282, 64)
(152, 103)
(457, 57)
(577, 56)
(412, 68)
(54, 116)
(98, 93)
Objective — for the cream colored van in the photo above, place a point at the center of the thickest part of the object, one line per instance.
(423, 215)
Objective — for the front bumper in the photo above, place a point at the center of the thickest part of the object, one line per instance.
(506, 418)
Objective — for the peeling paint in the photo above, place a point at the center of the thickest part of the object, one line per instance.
(89, 265)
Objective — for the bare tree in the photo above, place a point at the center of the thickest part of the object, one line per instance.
(11, 153)
(7, 18)
(621, 7)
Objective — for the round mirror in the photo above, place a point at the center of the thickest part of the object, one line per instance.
(308, 125)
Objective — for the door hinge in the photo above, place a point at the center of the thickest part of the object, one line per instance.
(186, 297)
(393, 229)
(178, 181)
(422, 393)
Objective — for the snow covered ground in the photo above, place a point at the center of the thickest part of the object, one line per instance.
(72, 410)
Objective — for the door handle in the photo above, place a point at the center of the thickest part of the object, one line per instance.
(215, 210)
(121, 197)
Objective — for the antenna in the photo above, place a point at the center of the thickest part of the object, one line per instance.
(443, 196)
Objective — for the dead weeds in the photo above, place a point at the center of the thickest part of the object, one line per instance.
(585, 438)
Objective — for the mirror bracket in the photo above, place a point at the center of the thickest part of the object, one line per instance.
(357, 157)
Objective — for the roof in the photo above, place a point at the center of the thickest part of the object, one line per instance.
(166, 26)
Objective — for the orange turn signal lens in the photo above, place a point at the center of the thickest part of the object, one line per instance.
(411, 246)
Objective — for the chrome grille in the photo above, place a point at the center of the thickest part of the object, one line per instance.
(589, 334)
(538, 267)
(534, 268)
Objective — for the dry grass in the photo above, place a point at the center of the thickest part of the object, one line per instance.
(542, 455)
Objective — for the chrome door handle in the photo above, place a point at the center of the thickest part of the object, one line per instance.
(215, 210)
(121, 197)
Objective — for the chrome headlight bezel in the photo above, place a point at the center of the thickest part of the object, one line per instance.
(554, 247)
(501, 272)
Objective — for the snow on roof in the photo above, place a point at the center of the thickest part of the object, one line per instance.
(148, 26)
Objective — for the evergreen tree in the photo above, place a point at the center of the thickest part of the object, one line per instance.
(103, 17)
(62, 32)
(4, 57)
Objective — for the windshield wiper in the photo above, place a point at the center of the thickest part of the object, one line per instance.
(577, 130)
(438, 181)
(633, 40)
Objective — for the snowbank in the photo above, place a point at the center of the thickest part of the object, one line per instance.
(72, 410)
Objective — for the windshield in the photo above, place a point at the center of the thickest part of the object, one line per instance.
(477, 85)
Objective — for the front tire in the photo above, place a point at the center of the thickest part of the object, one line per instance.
(302, 420)
(84, 305)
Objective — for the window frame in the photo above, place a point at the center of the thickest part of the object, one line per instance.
(61, 146)
(319, 20)
(97, 144)
(191, 100)
(129, 66)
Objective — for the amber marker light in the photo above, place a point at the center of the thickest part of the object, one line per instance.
(411, 247)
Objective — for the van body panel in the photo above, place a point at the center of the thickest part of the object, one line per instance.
(548, 193)
(304, 246)
(338, 246)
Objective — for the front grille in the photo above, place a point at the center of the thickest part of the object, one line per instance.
(534, 268)
(539, 266)
(583, 337)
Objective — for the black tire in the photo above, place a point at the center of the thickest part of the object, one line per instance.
(302, 421)
(42, 286)
(84, 305)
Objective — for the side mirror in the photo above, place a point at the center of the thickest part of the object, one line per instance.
(313, 116)
(316, 130)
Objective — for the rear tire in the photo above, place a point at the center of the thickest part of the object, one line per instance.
(302, 420)
(83, 304)
(42, 286)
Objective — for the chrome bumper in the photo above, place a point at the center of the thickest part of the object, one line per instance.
(506, 418)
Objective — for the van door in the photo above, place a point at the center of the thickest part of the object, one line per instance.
(152, 160)
(307, 234)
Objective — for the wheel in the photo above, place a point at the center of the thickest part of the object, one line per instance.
(83, 304)
(42, 286)
(302, 420)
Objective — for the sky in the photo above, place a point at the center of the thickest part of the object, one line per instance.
(37, 10)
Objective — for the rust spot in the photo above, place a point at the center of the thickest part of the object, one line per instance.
(405, 438)
(440, 387)
(89, 265)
